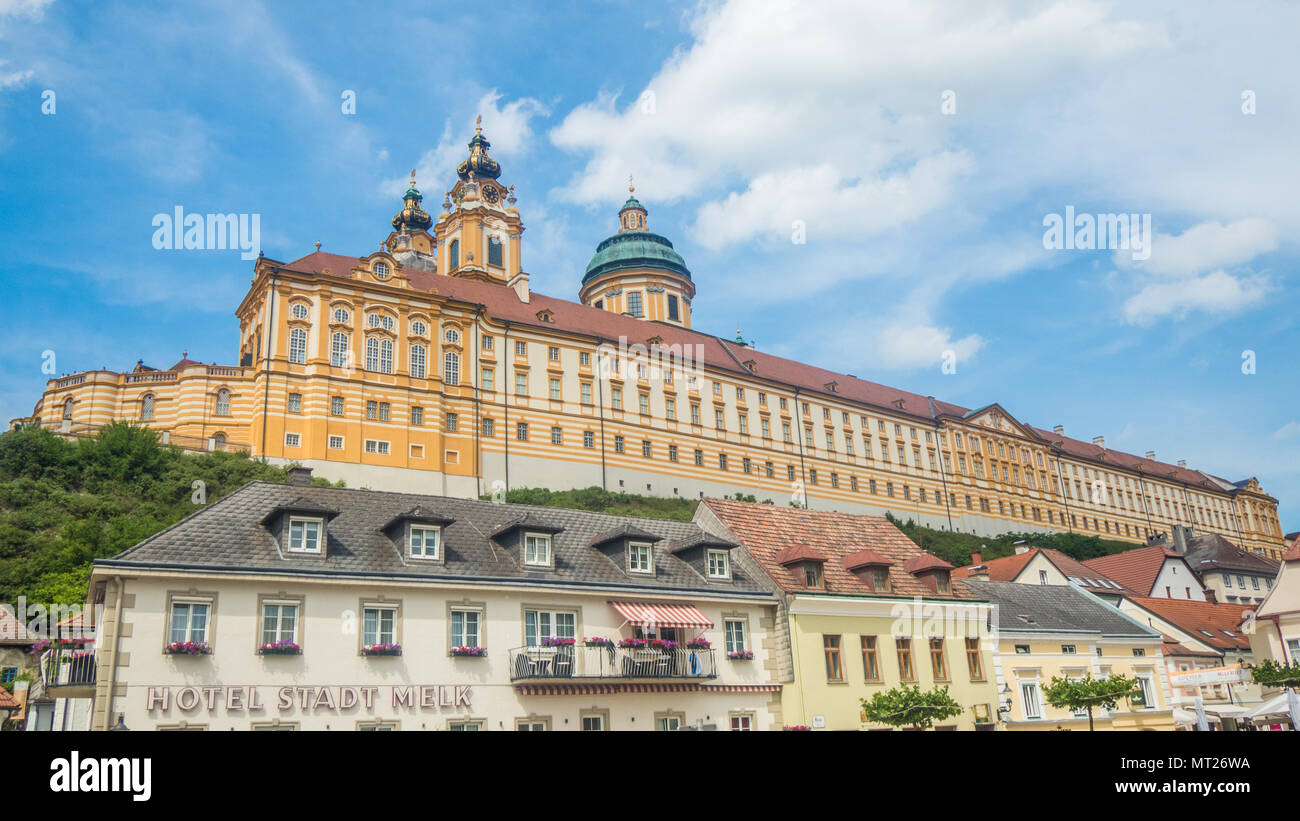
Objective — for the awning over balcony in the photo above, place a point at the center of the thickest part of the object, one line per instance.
(662, 615)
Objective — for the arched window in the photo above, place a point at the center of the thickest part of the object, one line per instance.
(452, 336)
(219, 441)
(419, 328)
(386, 356)
(453, 255)
(372, 353)
(339, 350)
(299, 311)
(381, 270)
(494, 251)
(146, 408)
(341, 315)
(223, 402)
(451, 368)
(417, 361)
(67, 409)
(297, 345)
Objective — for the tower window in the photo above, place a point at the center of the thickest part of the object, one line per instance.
(634, 303)
(672, 306)
(223, 402)
(453, 255)
(494, 251)
(146, 408)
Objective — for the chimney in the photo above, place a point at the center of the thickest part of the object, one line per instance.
(1151, 454)
(1180, 541)
(1210, 597)
(1182, 463)
(1059, 430)
(1099, 441)
(1022, 549)
(977, 558)
(979, 573)
(299, 475)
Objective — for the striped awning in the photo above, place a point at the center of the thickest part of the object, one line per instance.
(661, 615)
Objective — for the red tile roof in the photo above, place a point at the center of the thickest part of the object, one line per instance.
(1197, 618)
(1293, 555)
(865, 558)
(768, 531)
(924, 562)
(1009, 568)
(798, 553)
(7, 700)
(1135, 569)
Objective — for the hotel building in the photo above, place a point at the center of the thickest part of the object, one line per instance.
(429, 365)
(306, 607)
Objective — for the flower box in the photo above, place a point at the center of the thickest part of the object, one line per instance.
(557, 642)
(796, 727)
(280, 648)
(187, 648)
(598, 642)
(472, 652)
(381, 650)
(740, 655)
(698, 644)
(656, 644)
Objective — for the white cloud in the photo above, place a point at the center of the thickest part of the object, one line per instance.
(1215, 292)
(23, 8)
(902, 346)
(13, 79)
(825, 205)
(1207, 246)
(1291, 430)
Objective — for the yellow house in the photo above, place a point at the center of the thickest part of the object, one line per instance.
(1047, 631)
(862, 610)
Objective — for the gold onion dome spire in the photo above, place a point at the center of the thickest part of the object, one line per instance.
(412, 216)
(479, 163)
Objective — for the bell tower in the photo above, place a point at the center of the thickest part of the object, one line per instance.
(478, 231)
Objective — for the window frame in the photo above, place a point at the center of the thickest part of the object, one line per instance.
(305, 520)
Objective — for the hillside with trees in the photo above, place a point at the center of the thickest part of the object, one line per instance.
(65, 503)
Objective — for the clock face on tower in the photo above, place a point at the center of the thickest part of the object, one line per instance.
(491, 194)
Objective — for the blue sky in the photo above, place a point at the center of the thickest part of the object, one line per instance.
(740, 121)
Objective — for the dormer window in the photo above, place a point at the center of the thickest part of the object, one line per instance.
(880, 579)
(639, 558)
(305, 534)
(719, 564)
(537, 550)
(425, 542)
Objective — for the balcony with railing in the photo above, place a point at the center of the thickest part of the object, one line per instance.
(68, 673)
(607, 661)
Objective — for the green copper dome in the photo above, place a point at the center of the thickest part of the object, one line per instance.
(633, 250)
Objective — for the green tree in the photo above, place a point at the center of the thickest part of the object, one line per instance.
(910, 706)
(1271, 674)
(1088, 693)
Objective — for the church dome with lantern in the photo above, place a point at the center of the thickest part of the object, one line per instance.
(637, 272)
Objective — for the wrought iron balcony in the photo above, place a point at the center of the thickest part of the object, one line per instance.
(64, 670)
(611, 662)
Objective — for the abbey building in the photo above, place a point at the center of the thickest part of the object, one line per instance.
(430, 366)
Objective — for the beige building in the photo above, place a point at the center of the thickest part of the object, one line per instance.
(1276, 633)
(1046, 631)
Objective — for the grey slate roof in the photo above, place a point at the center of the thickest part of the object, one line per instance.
(1055, 608)
(229, 534)
(1213, 552)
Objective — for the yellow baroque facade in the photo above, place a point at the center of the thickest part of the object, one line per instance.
(430, 366)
